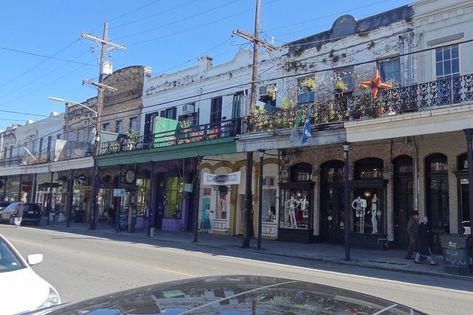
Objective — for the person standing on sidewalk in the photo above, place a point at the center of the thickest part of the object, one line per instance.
(412, 231)
(18, 216)
(423, 248)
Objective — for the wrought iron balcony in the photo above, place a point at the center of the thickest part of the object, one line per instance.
(362, 105)
(193, 134)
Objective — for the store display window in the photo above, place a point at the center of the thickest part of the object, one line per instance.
(173, 198)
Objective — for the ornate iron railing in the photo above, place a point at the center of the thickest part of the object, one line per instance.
(181, 136)
(362, 105)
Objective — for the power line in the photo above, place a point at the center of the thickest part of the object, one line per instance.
(45, 56)
(179, 20)
(134, 10)
(154, 15)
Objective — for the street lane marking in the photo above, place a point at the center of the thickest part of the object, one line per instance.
(176, 272)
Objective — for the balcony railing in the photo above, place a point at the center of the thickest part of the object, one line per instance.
(193, 134)
(419, 97)
(61, 151)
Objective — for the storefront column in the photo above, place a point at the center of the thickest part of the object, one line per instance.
(70, 192)
(316, 203)
(50, 198)
(469, 153)
(248, 201)
(151, 207)
(260, 196)
(196, 203)
(346, 198)
(5, 188)
(32, 198)
(19, 187)
(388, 175)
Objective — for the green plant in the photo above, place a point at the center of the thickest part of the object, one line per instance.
(309, 83)
(287, 103)
(271, 92)
(340, 86)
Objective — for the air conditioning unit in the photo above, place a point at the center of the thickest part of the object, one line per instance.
(188, 108)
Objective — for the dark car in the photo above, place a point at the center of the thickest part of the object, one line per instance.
(235, 295)
(31, 212)
(3, 205)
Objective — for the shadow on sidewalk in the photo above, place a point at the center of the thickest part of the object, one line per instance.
(331, 257)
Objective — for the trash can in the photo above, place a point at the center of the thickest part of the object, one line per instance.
(456, 250)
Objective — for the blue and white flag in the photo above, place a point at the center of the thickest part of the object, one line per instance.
(307, 130)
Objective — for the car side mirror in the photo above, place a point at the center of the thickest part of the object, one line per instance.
(34, 259)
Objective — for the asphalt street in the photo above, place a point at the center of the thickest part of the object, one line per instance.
(85, 266)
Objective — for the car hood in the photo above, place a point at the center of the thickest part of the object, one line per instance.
(235, 295)
(22, 290)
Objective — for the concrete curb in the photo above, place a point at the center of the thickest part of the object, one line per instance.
(356, 263)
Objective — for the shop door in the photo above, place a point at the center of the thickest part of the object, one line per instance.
(403, 207)
(437, 208)
(331, 220)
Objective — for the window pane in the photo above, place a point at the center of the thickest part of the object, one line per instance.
(447, 67)
(446, 53)
(455, 66)
(454, 51)
(439, 69)
(438, 54)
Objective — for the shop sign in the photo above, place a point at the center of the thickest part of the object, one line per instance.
(118, 192)
(187, 187)
(228, 179)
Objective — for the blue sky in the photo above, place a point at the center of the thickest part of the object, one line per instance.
(42, 54)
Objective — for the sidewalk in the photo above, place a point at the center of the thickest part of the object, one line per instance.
(390, 260)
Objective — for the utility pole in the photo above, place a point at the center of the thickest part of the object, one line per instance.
(105, 45)
(249, 155)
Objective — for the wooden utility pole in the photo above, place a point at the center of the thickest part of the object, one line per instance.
(105, 45)
(249, 155)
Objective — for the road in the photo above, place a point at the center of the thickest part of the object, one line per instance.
(84, 266)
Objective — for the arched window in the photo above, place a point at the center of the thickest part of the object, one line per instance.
(301, 172)
(369, 168)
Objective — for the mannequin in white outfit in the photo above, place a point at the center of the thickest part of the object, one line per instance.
(359, 204)
(374, 211)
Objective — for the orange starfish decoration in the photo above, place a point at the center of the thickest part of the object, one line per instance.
(376, 84)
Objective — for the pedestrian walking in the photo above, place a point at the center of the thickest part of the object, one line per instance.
(423, 248)
(18, 216)
(412, 230)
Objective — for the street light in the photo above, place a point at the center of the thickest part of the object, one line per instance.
(95, 152)
(347, 210)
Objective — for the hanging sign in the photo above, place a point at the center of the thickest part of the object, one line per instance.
(118, 192)
(228, 179)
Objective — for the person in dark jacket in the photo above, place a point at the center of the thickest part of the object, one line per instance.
(423, 248)
(412, 233)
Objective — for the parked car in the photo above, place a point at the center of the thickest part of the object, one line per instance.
(235, 295)
(3, 205)
(31, 212)
(21, 289)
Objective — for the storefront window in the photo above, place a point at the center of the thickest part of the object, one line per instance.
(222, 202)
(173, 198)
(367, 211)
(269, 203)
(295, 205)
(142, 185)
(369, 168)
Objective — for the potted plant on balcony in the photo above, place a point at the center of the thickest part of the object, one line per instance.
(185, 131)
(309, 83)
(340, 87)
(271, 92)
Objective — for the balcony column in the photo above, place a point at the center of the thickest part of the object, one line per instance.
(151, 202)
(50, 198)
(19, 187)
(32, 198)
(5, 188)
(196, 195)
(389, 205)
(70, 195)
(346, 201)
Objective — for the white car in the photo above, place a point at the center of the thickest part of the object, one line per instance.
(21, 289)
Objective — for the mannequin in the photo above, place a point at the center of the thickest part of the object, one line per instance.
(291, 205)
(374, 212)
(359, 204)
(304, 207)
